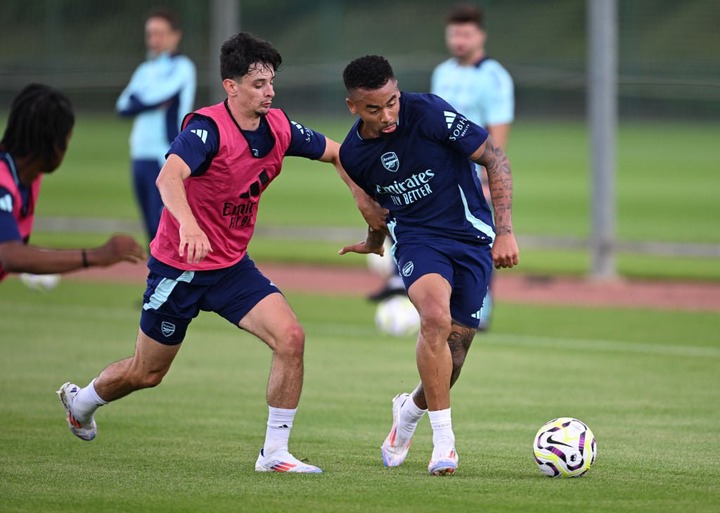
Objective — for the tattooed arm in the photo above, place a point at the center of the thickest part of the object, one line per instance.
(505, 250)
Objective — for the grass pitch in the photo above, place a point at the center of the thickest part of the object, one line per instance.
(645, 382)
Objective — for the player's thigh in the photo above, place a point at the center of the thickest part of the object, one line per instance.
(430, 294)
(428, 275)
(248, 299)
(272, 320)
(151, 356)
(169, 305)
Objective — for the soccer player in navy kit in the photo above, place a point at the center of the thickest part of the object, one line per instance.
(414, 154)
(217, 168)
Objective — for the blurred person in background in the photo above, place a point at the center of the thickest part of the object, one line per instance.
(217, 169)
(160, 93)
(34, 143)
(480, 88)
(470, 80)
(415, 155)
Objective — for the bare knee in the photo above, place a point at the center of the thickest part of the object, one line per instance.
(435, 321)
(291, 341)
(145, 378)
(151, 380)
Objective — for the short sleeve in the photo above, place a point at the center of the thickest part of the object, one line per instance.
(197, 144)
(305, 142)
(453, 128)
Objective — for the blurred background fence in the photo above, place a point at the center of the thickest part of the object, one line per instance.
(669, 51)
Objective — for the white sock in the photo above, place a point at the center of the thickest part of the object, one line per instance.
(279, 424)
(86, 402)
(441, 422)
(410, 415)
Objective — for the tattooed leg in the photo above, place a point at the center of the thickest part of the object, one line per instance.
(460, 339)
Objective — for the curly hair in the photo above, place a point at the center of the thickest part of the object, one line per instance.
(242, 52)
(369, 72)
(40, 121)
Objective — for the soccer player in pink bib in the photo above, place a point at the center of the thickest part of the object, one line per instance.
(216, 171)
(34, 143)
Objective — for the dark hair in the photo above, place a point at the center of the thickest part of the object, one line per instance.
(239, 53)
(466, 13)
(40, 121)
(369, 72)
(167, 15)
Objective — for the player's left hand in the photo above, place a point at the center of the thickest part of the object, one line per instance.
(505, 251)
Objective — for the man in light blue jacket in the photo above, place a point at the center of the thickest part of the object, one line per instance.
(160, 93)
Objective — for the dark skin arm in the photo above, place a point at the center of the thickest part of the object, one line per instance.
(17, 257)
(505, 249)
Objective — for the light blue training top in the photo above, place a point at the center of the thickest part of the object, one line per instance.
(160, 93)
(483, 92)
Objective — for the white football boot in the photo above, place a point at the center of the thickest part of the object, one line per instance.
(443, 462)
(395, 450)
(283, 461)
(85, 431)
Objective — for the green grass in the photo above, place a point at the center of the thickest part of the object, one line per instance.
(645, 381)
(666, 188)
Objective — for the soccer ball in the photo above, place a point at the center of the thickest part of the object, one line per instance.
(41, 282)
(397, 316)
(564, 447)
(383, 266)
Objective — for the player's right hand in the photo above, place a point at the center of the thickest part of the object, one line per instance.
(119, 247)
(194, 244)
(372, 212)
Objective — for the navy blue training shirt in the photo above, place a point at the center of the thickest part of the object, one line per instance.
(422, 174)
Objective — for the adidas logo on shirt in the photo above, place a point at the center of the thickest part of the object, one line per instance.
(202, 134)
(449, 118)
(457, 124)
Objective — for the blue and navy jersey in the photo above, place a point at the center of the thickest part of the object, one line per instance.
(198, 143)
(422, 174)
(483, 92)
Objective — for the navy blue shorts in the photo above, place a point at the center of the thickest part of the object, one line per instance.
(174, 297)
(467, 267)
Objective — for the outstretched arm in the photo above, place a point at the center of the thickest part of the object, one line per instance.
(505, 250)
(370, 209)
(17, 257)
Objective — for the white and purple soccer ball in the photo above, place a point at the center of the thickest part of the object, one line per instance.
(564, 447)
(397, 316)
